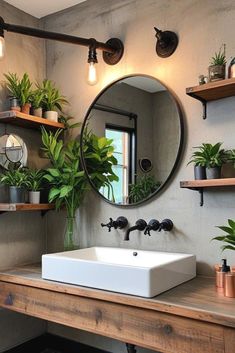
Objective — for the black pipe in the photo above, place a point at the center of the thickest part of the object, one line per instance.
(34, 32)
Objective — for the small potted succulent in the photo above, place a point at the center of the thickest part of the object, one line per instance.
(217, 66)
(16, 180)
(52, 100)
(37, 102)
(34, 183)
(13, 87)
(210, 156)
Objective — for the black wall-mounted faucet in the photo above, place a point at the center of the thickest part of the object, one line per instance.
(152, 225)
(120, 223)
(140, 224)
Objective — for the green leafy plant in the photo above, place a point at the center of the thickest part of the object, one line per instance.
(144, 187)
(66, 121)
(13, 84)
(229, 238)
(37, 97)
(230, 156)
(66, 176)
(52, 98)
(34, 179)
(219, 58)
(208, 155)
(17, 177)
(99, 160)
(25, 89)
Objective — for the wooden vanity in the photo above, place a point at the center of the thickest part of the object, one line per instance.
(191, 318)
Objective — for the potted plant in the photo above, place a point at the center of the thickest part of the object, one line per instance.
(16, 180)
(25, 94)
(67, 179)
(228, 238)
(13, 86)
(52, 100)
(37, 102)
(210, 156)
(34, 182)
(217, 66)
(199, 164)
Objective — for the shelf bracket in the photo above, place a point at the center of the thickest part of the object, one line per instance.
(201, 196)
(204, 111)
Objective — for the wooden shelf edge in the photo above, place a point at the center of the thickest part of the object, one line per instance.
(207, 183)
(11, 207)
(13, 116)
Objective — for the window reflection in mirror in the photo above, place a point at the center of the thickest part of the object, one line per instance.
(143, 120)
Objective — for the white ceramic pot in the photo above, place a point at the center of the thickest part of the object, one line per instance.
(51, 115)
(34, 197)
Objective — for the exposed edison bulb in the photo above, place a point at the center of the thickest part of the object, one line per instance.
(2, 47)
(92, 78)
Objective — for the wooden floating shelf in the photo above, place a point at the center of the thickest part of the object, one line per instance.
(200, 185)
(28, 121)
(13, 207)
(212, 91)
(208, 183)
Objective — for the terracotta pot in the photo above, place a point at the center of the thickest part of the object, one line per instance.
(216, 72)
(26, 108)
(51, 115)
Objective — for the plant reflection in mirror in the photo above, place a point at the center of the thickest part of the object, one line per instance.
(98, 155)
(145, 185)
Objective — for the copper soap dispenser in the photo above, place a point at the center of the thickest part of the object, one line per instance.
(220, 276)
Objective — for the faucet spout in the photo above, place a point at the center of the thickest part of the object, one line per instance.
(139, 225)
(127, 234)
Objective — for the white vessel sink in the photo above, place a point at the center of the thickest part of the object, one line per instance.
(138, 272)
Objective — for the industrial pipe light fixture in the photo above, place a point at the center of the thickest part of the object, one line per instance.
(112, 50)
(167, 42)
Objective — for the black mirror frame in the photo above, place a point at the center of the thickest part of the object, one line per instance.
(179, 152)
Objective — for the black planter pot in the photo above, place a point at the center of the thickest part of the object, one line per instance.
(199, 172)
(16, 194)
(213, 173)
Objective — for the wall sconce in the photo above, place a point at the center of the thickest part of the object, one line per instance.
(167, 43)
(112, 50)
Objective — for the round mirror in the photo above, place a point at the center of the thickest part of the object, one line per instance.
(13, 151)
(131, 140)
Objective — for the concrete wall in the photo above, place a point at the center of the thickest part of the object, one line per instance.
(202, 26)
(22, 235)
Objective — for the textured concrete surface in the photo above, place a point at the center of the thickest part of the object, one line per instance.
(22, 235)
(202, 26)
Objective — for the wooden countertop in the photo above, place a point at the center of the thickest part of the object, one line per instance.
(196, 299)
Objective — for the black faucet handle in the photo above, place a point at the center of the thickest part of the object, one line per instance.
(108, 225)
(166, 225)
(140, 224)
(121, 222)
(152, 225)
